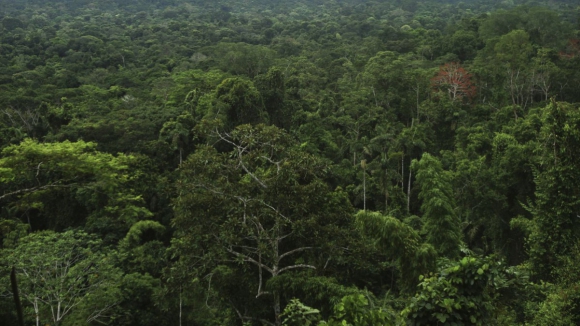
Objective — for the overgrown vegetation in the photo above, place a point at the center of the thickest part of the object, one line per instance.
(290, 163)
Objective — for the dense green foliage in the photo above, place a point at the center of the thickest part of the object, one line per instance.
(277, 163)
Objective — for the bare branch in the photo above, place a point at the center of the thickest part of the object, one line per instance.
(282, 237)
(275, 210)
(208, 290)
(274, 162)
(9, 116)
(33, 189)
(250, 173)
(294, 267)
(99, 313)
(242, 317)
(293, 251)
(326, 264)
(260, 292)
(251, 260)
(38, 172)
(241, 150)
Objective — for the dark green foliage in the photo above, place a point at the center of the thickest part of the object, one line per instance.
(553, 230)
(240, 102)
(272, 87)
(400, 242)
(219, 151)
(440, 222)
(262, 210)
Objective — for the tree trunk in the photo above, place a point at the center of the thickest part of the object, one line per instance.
(386, 191)
(277, 308)
(364, 189)
(403, 172)
(409, 190)
(36, 312)
(16, 295)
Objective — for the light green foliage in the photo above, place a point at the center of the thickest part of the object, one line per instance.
(35, 167)
(298, 314)
(71, 160)
(62, 274)
(395, 82)
(358, 310)
(187, 88)
(34, 173)
(546, 71)
(353, 310)
(460, 293)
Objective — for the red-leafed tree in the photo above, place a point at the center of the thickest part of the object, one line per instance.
(455, 80)
(572, 50)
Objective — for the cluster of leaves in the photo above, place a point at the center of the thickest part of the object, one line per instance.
(352, 310)
(460, 293)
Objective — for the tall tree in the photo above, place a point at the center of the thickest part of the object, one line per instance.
(513, 52)
(441, 225)
(239, 102)
(260, 211)
(554, 228)
(178, 133)
(453, 79)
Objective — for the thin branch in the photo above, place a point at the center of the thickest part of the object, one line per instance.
(99, 314)
(38, 172)
(294, 267)
(251, 260)
(278, 168)
(326, 264)
(275, 210)
(242, 317)
(33, 189)
(241, 150)
(260, 292)
(280, 238)
(293, 251)
(208, 290)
